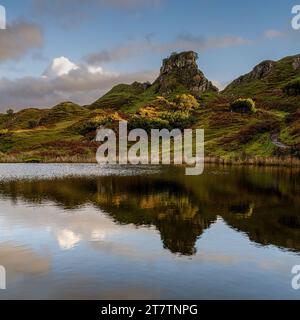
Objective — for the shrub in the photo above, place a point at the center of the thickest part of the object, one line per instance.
(178, 119)
(85, 127)
(90, 125)
(162, 102)
(33, 124)
(243, 106)
(10, 112)
(186, 102)
(163, 120)
(165, 114)
(147, 112)
(293, 87)
(147, 123)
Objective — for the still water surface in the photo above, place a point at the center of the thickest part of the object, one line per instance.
(91, 232)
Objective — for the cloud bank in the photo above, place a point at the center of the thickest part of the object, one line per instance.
(87, 81)
(63, 80)
(19, 38)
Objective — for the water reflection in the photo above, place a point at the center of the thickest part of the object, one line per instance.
(262, 203)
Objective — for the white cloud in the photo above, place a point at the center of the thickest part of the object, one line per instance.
(94, 70)
(59, 67)
(67, 239)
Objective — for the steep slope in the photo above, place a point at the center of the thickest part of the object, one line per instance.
(266, 83)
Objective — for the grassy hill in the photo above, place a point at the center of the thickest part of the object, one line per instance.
(180, 97)
(266, 83)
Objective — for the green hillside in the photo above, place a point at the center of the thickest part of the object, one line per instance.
(266, 83)
(181, 97)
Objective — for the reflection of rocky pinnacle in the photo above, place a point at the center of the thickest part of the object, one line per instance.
(2, 18)
(2, 278)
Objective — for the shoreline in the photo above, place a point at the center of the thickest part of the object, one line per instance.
(253, 161)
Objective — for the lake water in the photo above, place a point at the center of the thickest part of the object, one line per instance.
(101, 232)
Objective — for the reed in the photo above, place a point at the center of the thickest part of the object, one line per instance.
(256, 161)
(81, 158)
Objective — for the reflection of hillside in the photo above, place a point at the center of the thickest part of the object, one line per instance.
(169, 207)
(277, 225)
(154, 201)
(262, 203)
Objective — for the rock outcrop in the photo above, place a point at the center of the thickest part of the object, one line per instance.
(180, 70)
(267, 78)
(296, 63)
(259, 72)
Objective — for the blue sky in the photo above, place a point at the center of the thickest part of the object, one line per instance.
(104, 42)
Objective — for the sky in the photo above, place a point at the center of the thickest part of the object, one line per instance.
(58, 50)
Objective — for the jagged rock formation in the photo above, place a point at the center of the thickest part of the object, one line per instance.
(296, 63)
(180, 71)
(259, 72)
(268, 79)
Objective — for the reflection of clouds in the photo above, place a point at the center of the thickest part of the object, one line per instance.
(69, 228)
(93, 227)
(98, 235)
(86, 223)
(21, 260)
(67, 239)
